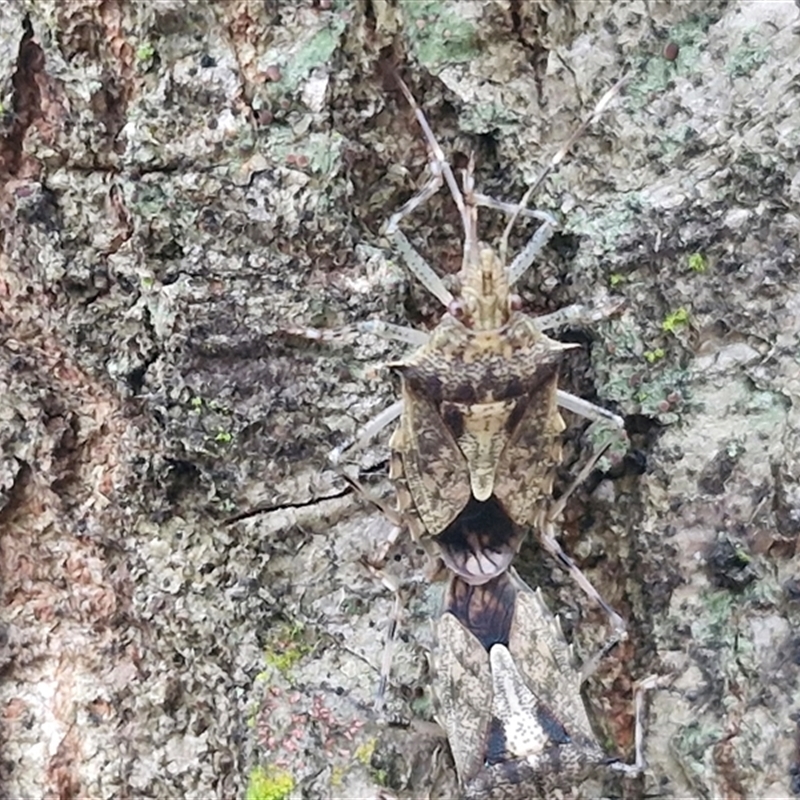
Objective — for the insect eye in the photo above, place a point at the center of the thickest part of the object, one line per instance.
(515, 302)
(456, 309)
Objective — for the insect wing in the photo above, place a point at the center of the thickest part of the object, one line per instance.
(463, 686)
(434, 468)
(546, 664)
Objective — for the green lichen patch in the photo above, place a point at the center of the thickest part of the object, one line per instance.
(438, 33)
(145, 53)
(365, 751)
(313, 48)
(311, 152)
(747, 58)
(482, 117)
(693, 743)
(287, 646)
(314, 52)
(644, 378)
(675, 320)
(605, 229)
(717, 631)
(691, 37)
(698, 263)
(210, 419)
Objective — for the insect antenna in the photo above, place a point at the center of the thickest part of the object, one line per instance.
(521, 263)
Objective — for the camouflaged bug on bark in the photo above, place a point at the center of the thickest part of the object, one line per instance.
(509, 694)
(508, 689)
(479, 420)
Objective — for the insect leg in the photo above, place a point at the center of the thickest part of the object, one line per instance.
(399, 523)
(391, 583)
(415, 263)
(395, 333)
(439, 163)
(547, 536)
(420, 268)
(512, 208)
(424, 194)
(528, 254)
(367, 432)
(639, 764)
(578, 314)
(549, 542)
(343, 334)
(584, 408)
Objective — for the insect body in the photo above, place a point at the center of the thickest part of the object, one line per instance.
(509, 694)
(479, 421)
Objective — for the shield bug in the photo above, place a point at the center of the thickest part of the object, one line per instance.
(479, 423)
(509, 694)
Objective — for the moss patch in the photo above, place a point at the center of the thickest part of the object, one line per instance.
(269, 784)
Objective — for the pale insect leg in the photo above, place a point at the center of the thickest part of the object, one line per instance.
(425, 193)
(398, 523)
(651, 682)
(550, 543)
(362, 438)
(557, 506)
(391, 583)
(420, 268)
(438, 157)
(438, 166)
(590, 666)
(534, 245)
(342, 334)
(578, 314)
(520, 264)
(441, 166)
(526, 256)
(512, 208)
(395, 333)
(584, 408)
(436, 150)
(554, 548)
(414, 261)
(393, 516)
(470, 258)
(367, 432)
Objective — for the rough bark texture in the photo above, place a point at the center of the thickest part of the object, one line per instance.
(186, 184)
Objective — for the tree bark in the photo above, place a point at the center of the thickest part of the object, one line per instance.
(188, 189)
